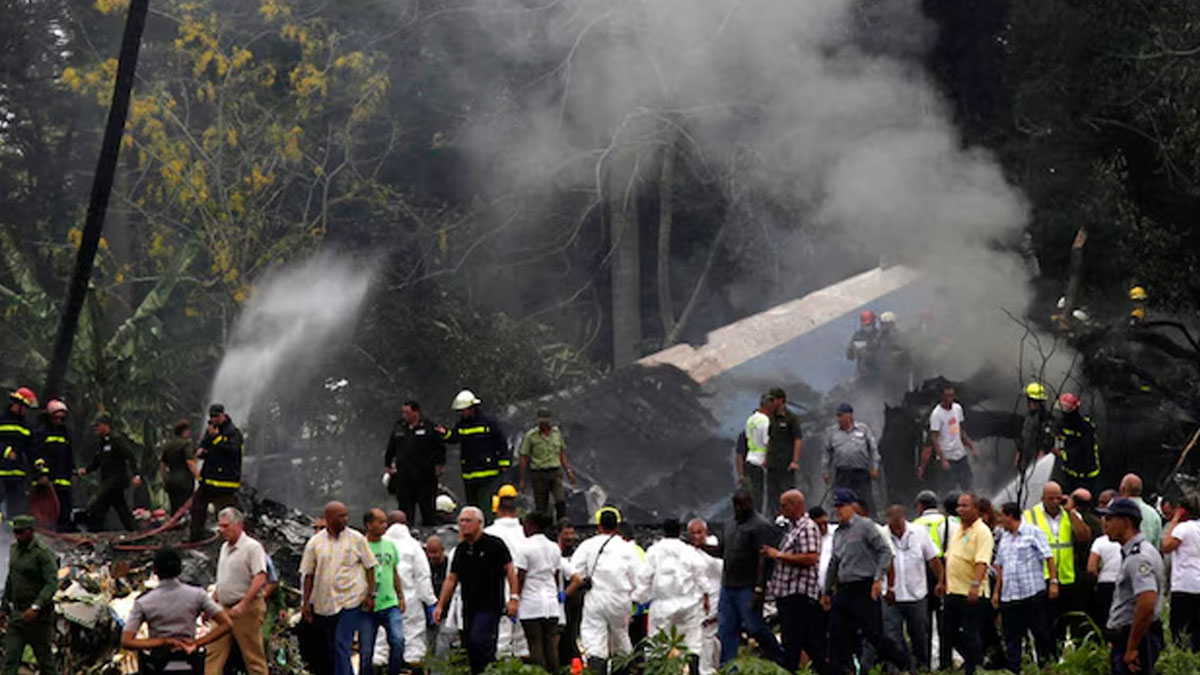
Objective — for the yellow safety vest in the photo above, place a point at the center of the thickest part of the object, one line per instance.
(755, 453)
(933, 522)
(1063, 547)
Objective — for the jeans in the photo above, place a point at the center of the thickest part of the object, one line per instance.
(1031, 615)
(800, 626)
(349, 622)
(392, 620)
(481, 629)
(915, 617)
(858, 480)
(964, 625)
(854, 611)
(737, 612)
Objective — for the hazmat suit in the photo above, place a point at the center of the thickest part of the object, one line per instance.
(510, 640)
(669, 579)
(415, 580)
(710, 586)
(612, 564)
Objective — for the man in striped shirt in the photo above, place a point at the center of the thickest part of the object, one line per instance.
(794, 583)
(1021, 594)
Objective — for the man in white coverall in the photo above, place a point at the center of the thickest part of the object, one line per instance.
(611, 565)
(413, 569)
(710, 587)
(510, 640)
(670, 580)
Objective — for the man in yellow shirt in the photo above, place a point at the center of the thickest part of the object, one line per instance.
(964, 581)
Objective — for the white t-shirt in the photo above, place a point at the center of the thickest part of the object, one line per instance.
(947, 424)
(1185, 560)
(911, 553)
(826, 556)
(1110, 558)
(539, 558)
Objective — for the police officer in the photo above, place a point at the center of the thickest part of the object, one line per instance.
(484, 450)
(851, 455)
(113, 457)
(27, 609)
(54, 460)
(221, 476)
(14, 450)
(1134, 628)
(1076, 447)
(413, 462)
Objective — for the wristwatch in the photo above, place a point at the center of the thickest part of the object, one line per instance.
(1054, 581)
(514, 596)
(974, 584)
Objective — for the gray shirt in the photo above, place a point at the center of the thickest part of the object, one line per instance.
(170, 610)
(860, 553)
(853, 449)
(1141, 571)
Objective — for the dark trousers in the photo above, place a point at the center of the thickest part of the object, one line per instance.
(38, 635)
(913, 618)
(324, 636)
(482, 628)
(858, 480)
(1148, 649)
(479, 493)
(960, 474)
(1102, 603)
(736, 612)
(1185, 620)
(801, 621)
(66, 507)
(15, 502)
(568, 640)
(110, 497)
(855, 617)
(1071, 600)
(1020, 618)
(779, 480)
(413, 495)
(205, 495)
(964, 623)
(178, 492)
(547, 483)
(756, 483)
(542, 636)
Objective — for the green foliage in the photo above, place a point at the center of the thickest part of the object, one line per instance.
(1176, 661)
(1089, 657)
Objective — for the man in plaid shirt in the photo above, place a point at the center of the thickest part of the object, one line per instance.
(794, 583)
(1021, 594)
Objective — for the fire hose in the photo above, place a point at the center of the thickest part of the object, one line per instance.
(92, 537)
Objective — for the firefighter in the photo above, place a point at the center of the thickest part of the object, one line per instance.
(55, 461)
(221, 475)
(1076, 446)
(113, 457)
(484, 452)
(1138, 298)
(14, 450)
(1037, 436)
(864, 343)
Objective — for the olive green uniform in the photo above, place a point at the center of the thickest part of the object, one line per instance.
(32, 580)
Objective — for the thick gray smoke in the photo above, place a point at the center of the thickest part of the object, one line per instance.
(838, 127)
(294, 315)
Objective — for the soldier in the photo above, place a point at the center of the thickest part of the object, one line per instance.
(114, 459)
(1134, 618)
(27, 610)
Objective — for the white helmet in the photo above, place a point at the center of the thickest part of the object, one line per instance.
(465, 399)
(445, 504)
(887, 317)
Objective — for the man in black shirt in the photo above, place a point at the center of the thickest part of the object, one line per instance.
(482, 563)
(117, 464)
(742, 582)
(413, 461)
(783, 453)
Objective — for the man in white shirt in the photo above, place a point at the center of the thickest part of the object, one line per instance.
(539, 569)
(950, 440)
(507, 527)
(670, 580)
(1182, 541)
(710, 586)
(611, 565)
(416, 583)
(908, 588)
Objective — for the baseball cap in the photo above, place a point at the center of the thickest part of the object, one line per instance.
(844, 496)
(844, 408)
(216, 409)
(1122, 507)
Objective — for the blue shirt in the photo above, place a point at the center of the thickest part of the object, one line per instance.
(1022, 555)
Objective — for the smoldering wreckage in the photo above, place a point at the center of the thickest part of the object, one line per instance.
(644, 439)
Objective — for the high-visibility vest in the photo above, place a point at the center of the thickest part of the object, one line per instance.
(755, 454)
(934, 522)
(1062, 547)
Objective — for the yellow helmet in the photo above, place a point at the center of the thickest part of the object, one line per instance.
(1138, 313)
(1137, 293)
(1036, 391)
(602, 509)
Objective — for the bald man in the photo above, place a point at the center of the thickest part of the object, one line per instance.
(794, 585)
(1056, 517)
(1131, 487)
(339, 586)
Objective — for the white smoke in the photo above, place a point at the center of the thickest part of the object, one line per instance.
(294, 315)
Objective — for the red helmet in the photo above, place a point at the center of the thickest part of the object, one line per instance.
(24, 395)
(867, 317)
(1068, 402)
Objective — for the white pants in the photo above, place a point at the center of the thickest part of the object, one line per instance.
(604, 632)
(710, 648)
(686, 622)
(510, 640)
